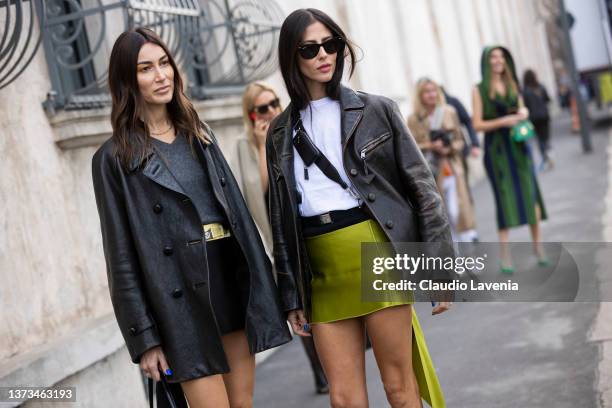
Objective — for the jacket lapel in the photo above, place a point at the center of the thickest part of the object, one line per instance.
(156, 170)
(205, 155)
(351, 113)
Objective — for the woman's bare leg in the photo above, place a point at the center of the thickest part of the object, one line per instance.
(504, 248)
(231, 390)
(240, 381)
(206, 392)
(536, 236)
(390, 332)
(341, 349)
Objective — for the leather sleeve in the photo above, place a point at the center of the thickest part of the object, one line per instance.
(286, 279)
(419, 182)
(123, 268)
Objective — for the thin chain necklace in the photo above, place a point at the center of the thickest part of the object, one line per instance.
(161, 133)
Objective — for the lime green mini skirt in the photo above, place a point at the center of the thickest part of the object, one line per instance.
(335, 260)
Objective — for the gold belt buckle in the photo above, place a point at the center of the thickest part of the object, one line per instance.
(215, 231)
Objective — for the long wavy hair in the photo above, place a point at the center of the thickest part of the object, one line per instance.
(508, 76)
(130, 132)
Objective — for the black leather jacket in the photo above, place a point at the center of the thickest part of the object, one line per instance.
(387, 170)
(156, 263)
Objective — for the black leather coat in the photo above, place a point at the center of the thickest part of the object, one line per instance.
(157, 269)
(387, 170)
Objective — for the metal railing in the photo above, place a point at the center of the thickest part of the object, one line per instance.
(18, 41)
(219, 44)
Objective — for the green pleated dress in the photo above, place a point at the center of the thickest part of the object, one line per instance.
(335, 260)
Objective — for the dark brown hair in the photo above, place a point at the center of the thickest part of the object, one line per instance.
(530, 79)
(290, 38)
(131, 134)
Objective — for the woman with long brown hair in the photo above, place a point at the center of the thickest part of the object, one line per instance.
(190, 282)
(497, 107)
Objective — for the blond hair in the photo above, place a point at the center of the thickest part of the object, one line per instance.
(417, 103)
(251, 92)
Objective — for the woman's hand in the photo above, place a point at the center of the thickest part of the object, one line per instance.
(260, 130)
(298, 323)
(441, 308)
(152, 361)
(511, 120)
(523, 113)
(438, 147)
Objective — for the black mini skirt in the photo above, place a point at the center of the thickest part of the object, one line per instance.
(229, 283)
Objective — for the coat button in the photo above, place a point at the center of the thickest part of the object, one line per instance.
(389, 224)
(222, 180)
(354, 172)
(157, 208)
(168, 250)
(371, 197)
(177, 293)
(133, 331)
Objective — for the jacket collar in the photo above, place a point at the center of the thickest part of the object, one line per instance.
(154, 167)
(351, 112)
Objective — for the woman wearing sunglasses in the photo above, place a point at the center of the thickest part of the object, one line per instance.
(381, 190)
(190, 282)
(260, 105)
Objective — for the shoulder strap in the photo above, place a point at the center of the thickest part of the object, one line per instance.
(320, 160)
(150, 389)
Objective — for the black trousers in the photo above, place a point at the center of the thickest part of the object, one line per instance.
(542, 129)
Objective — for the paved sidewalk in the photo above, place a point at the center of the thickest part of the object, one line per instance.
(504, 354)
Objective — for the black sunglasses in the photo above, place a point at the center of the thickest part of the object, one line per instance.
(263, 109)
(331, 46)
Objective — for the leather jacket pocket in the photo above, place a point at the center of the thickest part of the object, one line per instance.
(369, 147)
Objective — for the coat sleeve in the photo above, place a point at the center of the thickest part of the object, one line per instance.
(285, 275)
(466, 120)
(122, 265)
(420, 138)
(418, 181)
(458, 143)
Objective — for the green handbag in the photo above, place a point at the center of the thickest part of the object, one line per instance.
(522, 131)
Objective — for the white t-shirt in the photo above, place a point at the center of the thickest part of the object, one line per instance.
(319, 193)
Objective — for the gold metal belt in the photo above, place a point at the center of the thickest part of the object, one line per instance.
(215, 231)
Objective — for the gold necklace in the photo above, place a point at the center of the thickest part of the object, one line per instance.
(161, 133)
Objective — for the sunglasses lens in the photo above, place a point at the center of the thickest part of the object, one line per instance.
(262, 110)
(332, 46)
(309, 51)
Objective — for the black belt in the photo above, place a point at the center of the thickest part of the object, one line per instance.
(333, 220)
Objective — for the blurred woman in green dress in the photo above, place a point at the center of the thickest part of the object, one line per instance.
(497, 107)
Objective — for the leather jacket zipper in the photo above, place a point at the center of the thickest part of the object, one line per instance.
(369, 147)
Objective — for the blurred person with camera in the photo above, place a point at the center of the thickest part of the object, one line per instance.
(260, 105)
(437, 131)
(499, 111)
